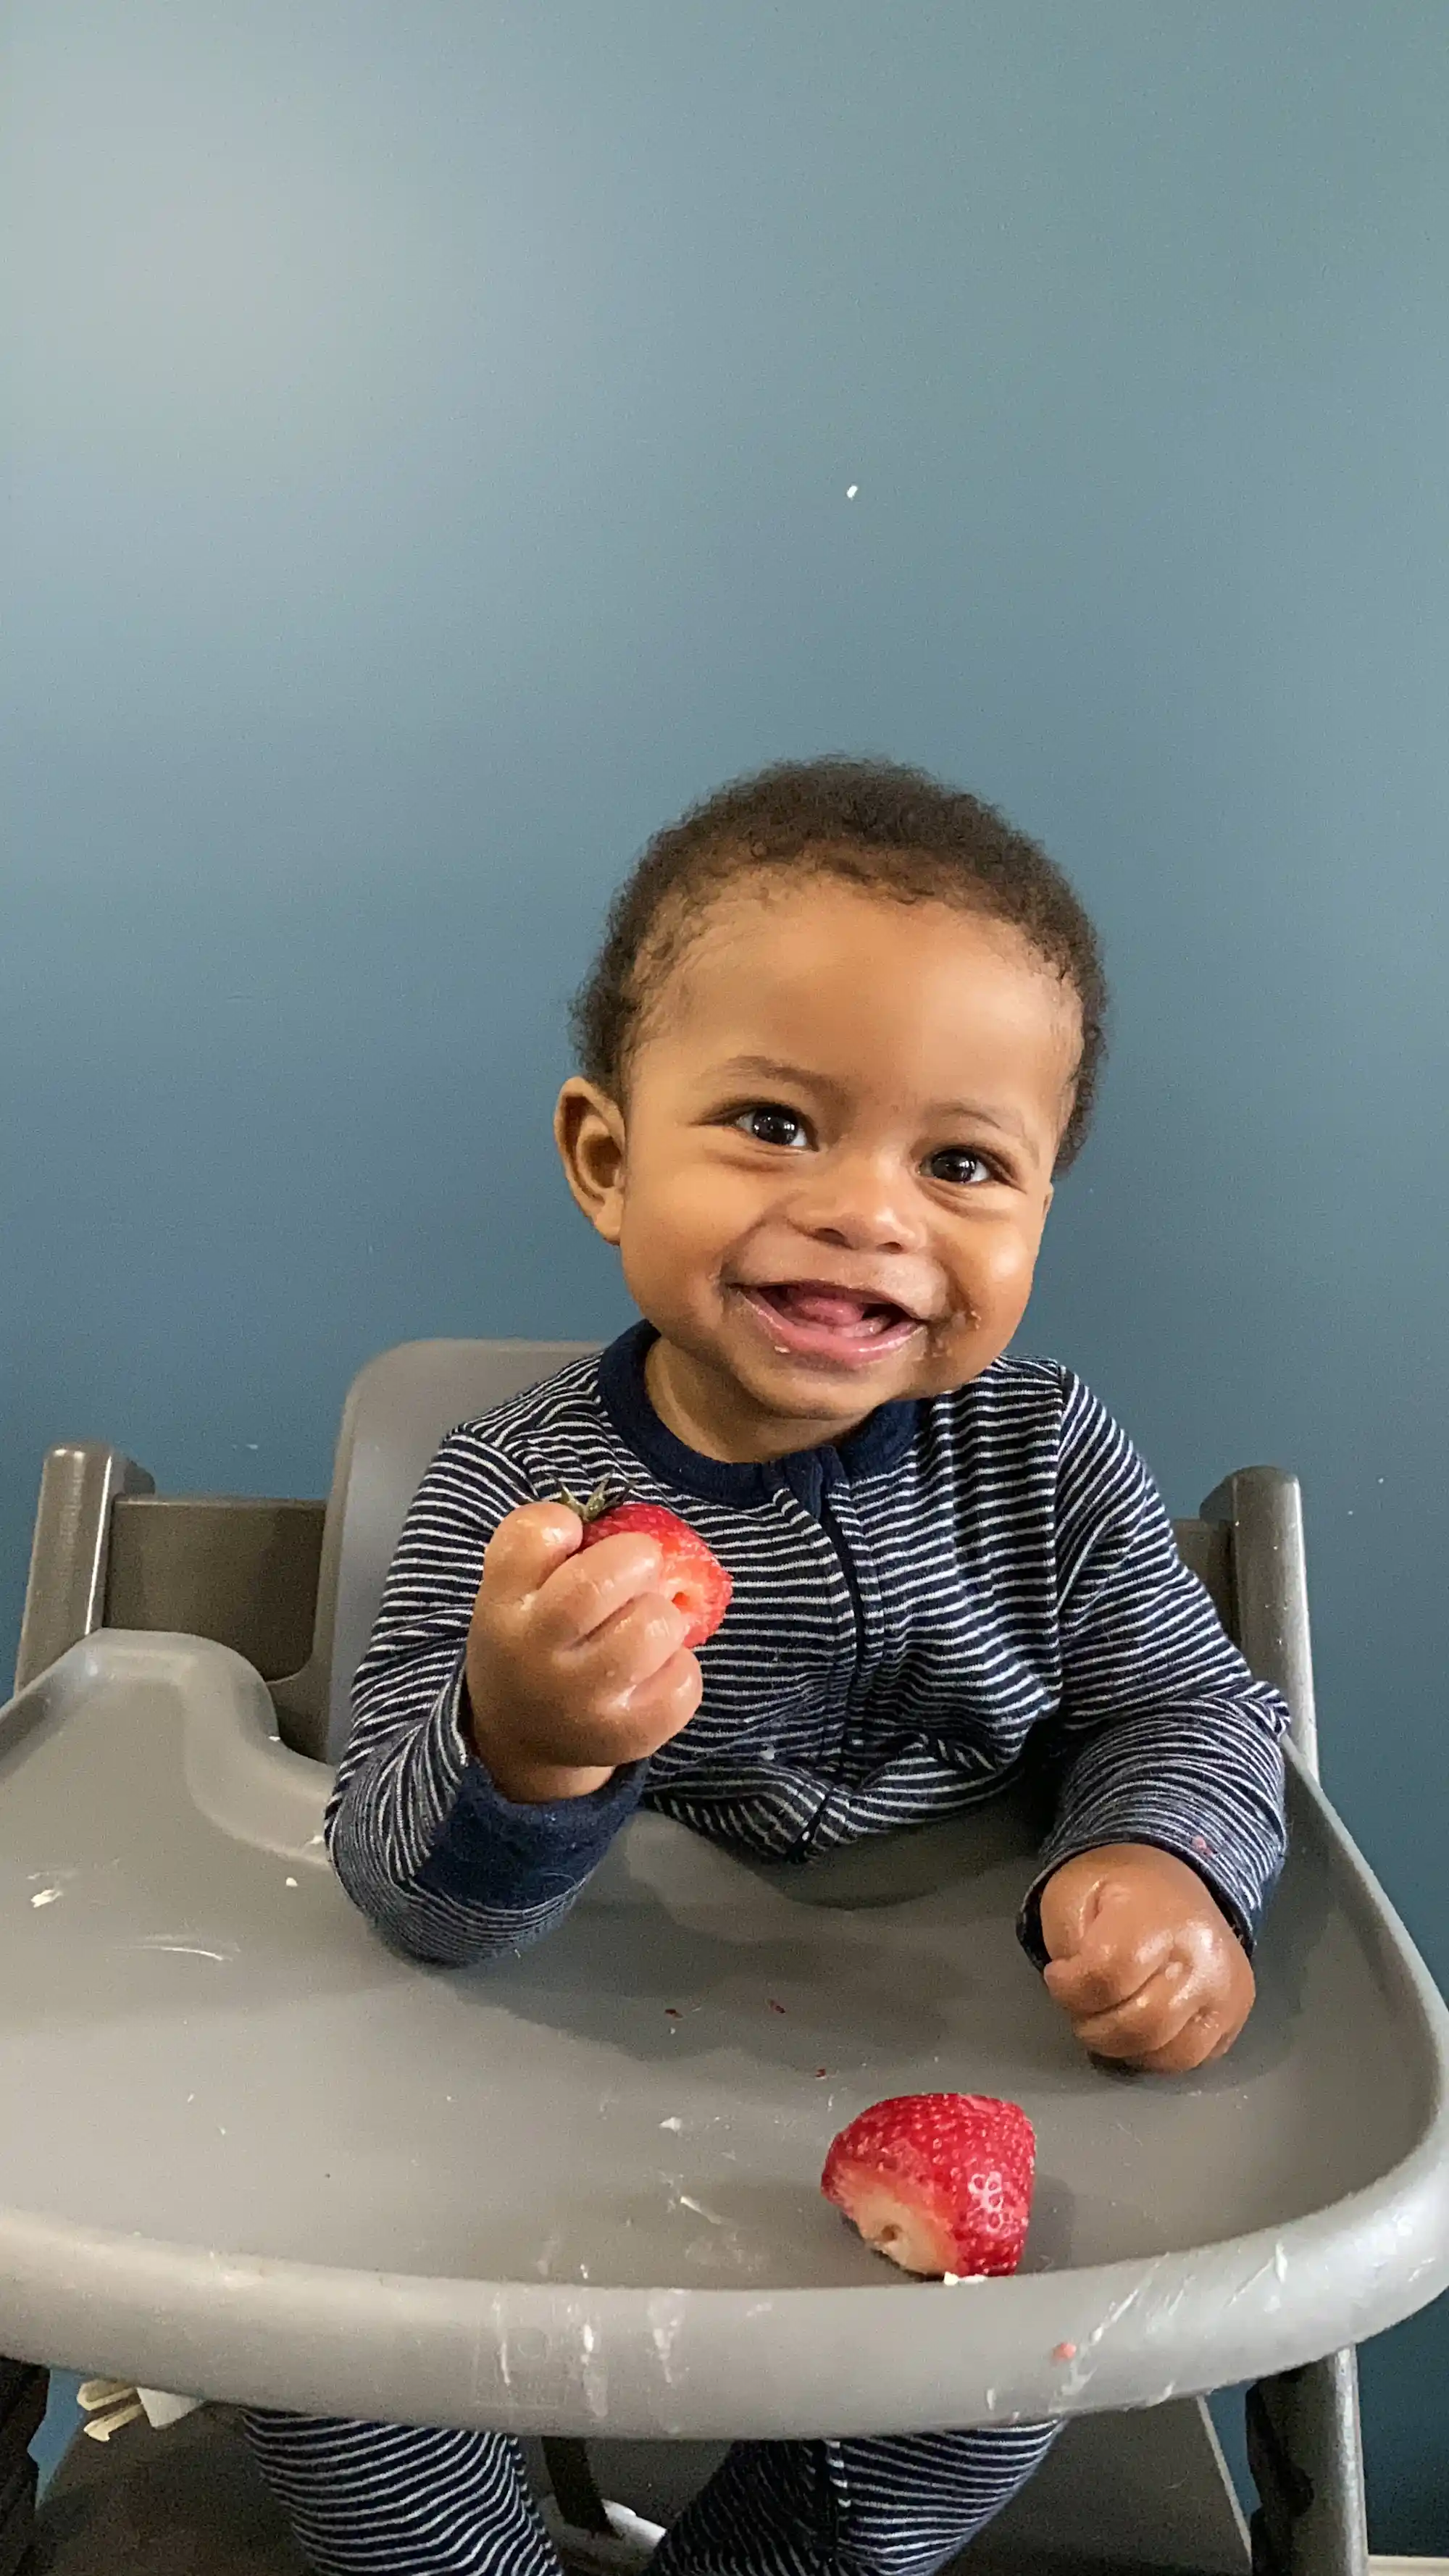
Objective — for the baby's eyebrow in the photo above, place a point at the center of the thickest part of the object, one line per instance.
(986, 1113)
(770, 1068)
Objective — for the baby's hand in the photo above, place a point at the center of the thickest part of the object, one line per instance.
(574, 1662)
(1146, 1965)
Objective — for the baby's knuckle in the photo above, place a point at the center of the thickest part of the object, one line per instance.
(592, 1596)
(656, 1629)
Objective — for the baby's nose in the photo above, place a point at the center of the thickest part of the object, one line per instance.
(863, 1207)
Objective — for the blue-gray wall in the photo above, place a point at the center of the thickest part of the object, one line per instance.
(433, 428)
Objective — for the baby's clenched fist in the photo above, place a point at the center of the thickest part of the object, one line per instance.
(1143, 1961)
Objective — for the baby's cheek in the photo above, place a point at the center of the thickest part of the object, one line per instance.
(958, 1351)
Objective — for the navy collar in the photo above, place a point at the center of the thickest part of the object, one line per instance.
(875, 1445)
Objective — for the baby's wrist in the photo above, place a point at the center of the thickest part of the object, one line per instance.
(542, 1784)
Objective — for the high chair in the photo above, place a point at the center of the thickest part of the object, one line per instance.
(250, 2153)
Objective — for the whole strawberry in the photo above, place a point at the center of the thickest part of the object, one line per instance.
(940, 2182)
(692, 1575)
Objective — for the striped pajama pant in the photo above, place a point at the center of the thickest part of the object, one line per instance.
(399, 2500)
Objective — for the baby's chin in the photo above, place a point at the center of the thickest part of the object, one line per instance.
(808, 1396)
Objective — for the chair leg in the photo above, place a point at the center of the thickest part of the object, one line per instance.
(1306, 2457)
(1303, 2430)
(575, 2488)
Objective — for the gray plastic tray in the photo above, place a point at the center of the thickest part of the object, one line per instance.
(247, 2151)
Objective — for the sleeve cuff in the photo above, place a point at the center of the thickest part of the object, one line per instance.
(523, 1854)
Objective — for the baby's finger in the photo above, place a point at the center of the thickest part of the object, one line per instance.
(1219, 2021)
(1068, 1902)
(1149, 2020)
(661, 1706)
(1097, 1984)
(580, 1596)
(616, 1659)
(631, 1727)
(1117, 1959)
(1200, 2039)
(526, 1548)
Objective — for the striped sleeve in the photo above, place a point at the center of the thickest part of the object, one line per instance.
(1162, 1735)
(422, 1841)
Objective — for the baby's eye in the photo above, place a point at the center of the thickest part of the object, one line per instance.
(957, 1163)
(770, 1124)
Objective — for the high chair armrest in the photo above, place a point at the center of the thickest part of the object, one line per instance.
(70, 1549)
(110, 1552)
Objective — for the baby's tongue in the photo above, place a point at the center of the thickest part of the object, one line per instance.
(831, 1306)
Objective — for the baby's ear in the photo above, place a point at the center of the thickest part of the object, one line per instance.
(589, 1131)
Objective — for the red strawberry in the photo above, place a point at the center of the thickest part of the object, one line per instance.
(940, 2182)
(692, 1575)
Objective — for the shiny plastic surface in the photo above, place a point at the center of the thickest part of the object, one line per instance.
(247, 2151)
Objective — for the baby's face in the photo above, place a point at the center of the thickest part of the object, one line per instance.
(830, 1184)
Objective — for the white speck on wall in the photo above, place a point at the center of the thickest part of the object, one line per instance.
(291, 1882)
(671, 2124)
(851, 490)
(47, 1896)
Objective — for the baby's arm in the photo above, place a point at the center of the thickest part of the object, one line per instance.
(1169, 1832)
(444, 1827)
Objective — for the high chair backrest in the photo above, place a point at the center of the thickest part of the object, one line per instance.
(398, 1410)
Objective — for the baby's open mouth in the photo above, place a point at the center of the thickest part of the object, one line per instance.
(819, 1321)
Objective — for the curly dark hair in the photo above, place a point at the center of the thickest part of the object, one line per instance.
(892, 831)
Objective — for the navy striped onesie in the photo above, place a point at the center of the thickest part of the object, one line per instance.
(961, 1578)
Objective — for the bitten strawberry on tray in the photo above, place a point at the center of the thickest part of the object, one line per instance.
(938, 2182)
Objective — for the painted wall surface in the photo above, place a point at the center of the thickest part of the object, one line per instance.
(431, 433)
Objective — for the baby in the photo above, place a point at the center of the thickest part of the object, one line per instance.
(844, 1030)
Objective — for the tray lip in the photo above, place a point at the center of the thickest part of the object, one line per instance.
(142, 2299)
(1401, 2219)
